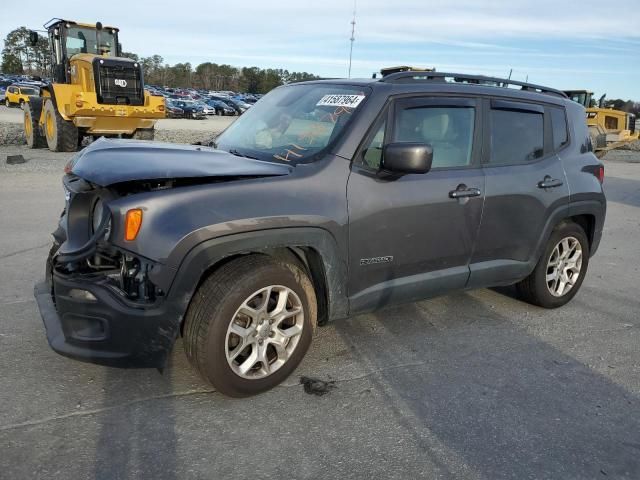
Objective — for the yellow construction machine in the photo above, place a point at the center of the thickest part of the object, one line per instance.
(94, 92)
(608, 128)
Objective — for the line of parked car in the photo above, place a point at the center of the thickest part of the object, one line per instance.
(180, 103)
(199, 104)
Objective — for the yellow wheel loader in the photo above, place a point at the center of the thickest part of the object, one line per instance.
(608, 128)
(94, 91)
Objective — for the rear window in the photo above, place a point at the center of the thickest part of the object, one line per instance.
(516, 136)
(559, 127)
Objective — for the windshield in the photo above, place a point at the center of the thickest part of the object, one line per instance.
(579, 97)
(85, 40)
(293, 123)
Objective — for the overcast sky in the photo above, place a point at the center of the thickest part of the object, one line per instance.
(565, 44)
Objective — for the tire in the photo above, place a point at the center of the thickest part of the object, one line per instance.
(535, 289)
(144, 134)
(21, 103)
(32, 132)
(61, 134)
(216, 306)
(7, 103)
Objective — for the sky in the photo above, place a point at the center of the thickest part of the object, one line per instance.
(565, 44)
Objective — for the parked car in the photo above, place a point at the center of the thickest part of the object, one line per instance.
(326, 199)
(206, 109)
(2, 94)
(17, 95)
(221, 107)
(239, 106)
(173, 111)
(190, 109)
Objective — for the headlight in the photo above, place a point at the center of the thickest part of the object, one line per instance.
(96, 218)
(96, 215)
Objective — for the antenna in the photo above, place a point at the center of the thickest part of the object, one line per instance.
(353, 36)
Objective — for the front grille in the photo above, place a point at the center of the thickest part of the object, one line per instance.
(118, 82)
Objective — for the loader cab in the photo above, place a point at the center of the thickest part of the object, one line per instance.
(68, 38)
(583, 97)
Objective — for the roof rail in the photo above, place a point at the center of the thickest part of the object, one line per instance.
(419, 76)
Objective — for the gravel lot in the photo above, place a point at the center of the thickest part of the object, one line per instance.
(475, 385)
(167, 130)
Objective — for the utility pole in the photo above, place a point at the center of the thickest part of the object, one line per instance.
(353, 36)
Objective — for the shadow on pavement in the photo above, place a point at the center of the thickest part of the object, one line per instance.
(504, 402)
(139, 440)
(622, 190)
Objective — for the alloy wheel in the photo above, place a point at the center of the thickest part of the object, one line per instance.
(264, 332)
(564, 266)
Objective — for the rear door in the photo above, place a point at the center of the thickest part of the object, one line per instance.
(524, 185)
(409, 237)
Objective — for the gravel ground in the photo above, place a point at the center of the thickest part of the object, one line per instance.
(634, 147)
(167, 130)
(473, 385)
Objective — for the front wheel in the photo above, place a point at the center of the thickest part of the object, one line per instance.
(61, 134)
(561, 269)
(7, 103)
(250, 324)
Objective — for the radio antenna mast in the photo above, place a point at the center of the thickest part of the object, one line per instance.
(353, 36)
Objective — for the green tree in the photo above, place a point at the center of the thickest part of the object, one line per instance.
(11, 64)
(35, 59)
(130, 55)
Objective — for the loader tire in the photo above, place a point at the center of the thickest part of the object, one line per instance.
(32, 132)
(61, 134)
(144, 134)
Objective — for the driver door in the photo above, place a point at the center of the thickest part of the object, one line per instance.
(409, 238)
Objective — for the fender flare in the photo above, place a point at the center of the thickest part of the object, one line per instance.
(182, 283)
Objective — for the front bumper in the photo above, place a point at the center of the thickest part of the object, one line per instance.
(106, 330)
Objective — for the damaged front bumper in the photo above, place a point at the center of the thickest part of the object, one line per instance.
(86, 320)
(98, 301)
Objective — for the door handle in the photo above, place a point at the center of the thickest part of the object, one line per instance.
(549, 182)
(464, 192)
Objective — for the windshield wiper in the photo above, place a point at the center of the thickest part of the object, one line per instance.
(235, 152)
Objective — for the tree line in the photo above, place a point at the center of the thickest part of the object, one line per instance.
(21, 58)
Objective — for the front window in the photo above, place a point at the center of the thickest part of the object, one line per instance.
(293, 123)
(85, 40)
(29, 91)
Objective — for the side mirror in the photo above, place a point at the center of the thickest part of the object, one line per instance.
(33, 38)
(407, 157)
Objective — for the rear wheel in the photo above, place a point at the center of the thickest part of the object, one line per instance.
(561, 269)
(250, 324)
(7, 103)
(61, 134)
(32, 112)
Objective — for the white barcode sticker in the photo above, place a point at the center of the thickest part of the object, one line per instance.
(349, 101)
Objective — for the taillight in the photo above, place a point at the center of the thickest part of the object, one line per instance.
(599, 173)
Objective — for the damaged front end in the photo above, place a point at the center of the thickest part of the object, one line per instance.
(105, 300)
(98, 301)
(82, 246)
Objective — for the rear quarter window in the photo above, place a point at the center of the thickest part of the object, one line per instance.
(559, 127)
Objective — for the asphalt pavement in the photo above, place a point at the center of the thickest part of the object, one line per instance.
(474, 385)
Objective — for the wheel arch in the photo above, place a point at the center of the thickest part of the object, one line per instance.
(314, 249)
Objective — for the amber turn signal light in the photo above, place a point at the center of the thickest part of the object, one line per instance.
(132, 224)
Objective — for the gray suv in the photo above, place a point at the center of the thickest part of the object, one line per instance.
(324, 200)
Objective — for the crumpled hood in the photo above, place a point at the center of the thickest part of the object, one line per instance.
(109, 161)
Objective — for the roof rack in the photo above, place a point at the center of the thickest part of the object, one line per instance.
(421, 76)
